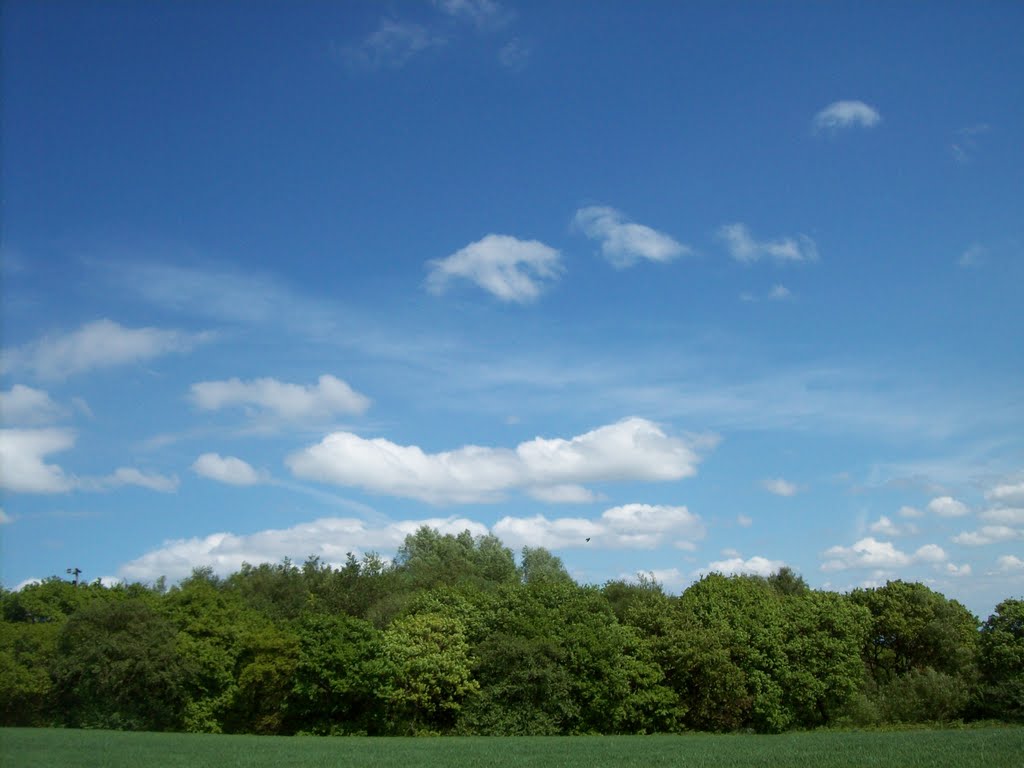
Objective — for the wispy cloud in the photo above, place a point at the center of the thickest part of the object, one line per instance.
(744, 248)
(514, 55)
(780, 487)
(129, 476)
(965, 142)
(284, 400)
(99, 344)
(391, 45)
(630, 450)
(480, 13)
(508, 268)
(624, 242)
(974, 256)
(846, 114)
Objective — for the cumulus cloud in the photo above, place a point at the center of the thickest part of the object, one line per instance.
(884, 526)
(226, 469)
(631, 450)
(510, 269)
(23, 468)
(744, 248)
(1007, 493)
(632, 526)
(5, 519)
(1010, 564)
(912, 512)
(846, 114)
(25, 406)
(624, 242)
(988, 534)
(290, 402)
(871, 553)
(1004, 515)
(780, 487)
(755, 566)
(958, 571)
(331, 539)
(947, 506)
(100, 344)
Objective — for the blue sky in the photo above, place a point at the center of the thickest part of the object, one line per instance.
(718, 286)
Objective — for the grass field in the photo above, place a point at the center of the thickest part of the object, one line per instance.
(982, 747)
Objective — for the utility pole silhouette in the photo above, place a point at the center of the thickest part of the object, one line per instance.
(77, 572)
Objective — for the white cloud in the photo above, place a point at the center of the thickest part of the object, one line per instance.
(22, 468)
(631, 526)
(151, 480)
(670, 578)
(1010, 563)
(329, 538)
(123, 476)
(623, 242)
(634, 449)
(884, 526)
(743, 521)
(947, 506)
(481, 13)
(780, 293)
(1004, 515)
(25, 406)
(744, 248)
(226, 469)
(780, 487)
(1007, 493)
(291, 402)
(958, 571)
(988, 534)
(514, 55)
(391, 45)
(539, 531)
(965, 143)
(563, 494)
(5, 519)
(756, 566)
(911, 512)
(871, 553)
(100, 344)
(973, 256)
(846, 114)
(509, 268)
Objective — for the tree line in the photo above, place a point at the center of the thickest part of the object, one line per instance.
(455, 637)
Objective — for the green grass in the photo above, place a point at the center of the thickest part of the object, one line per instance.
(993, 747)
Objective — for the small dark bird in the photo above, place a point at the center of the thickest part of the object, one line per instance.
(588, 538)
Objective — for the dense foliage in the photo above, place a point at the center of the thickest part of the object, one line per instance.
(455, 637)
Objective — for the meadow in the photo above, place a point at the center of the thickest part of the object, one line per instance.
(991, 747)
